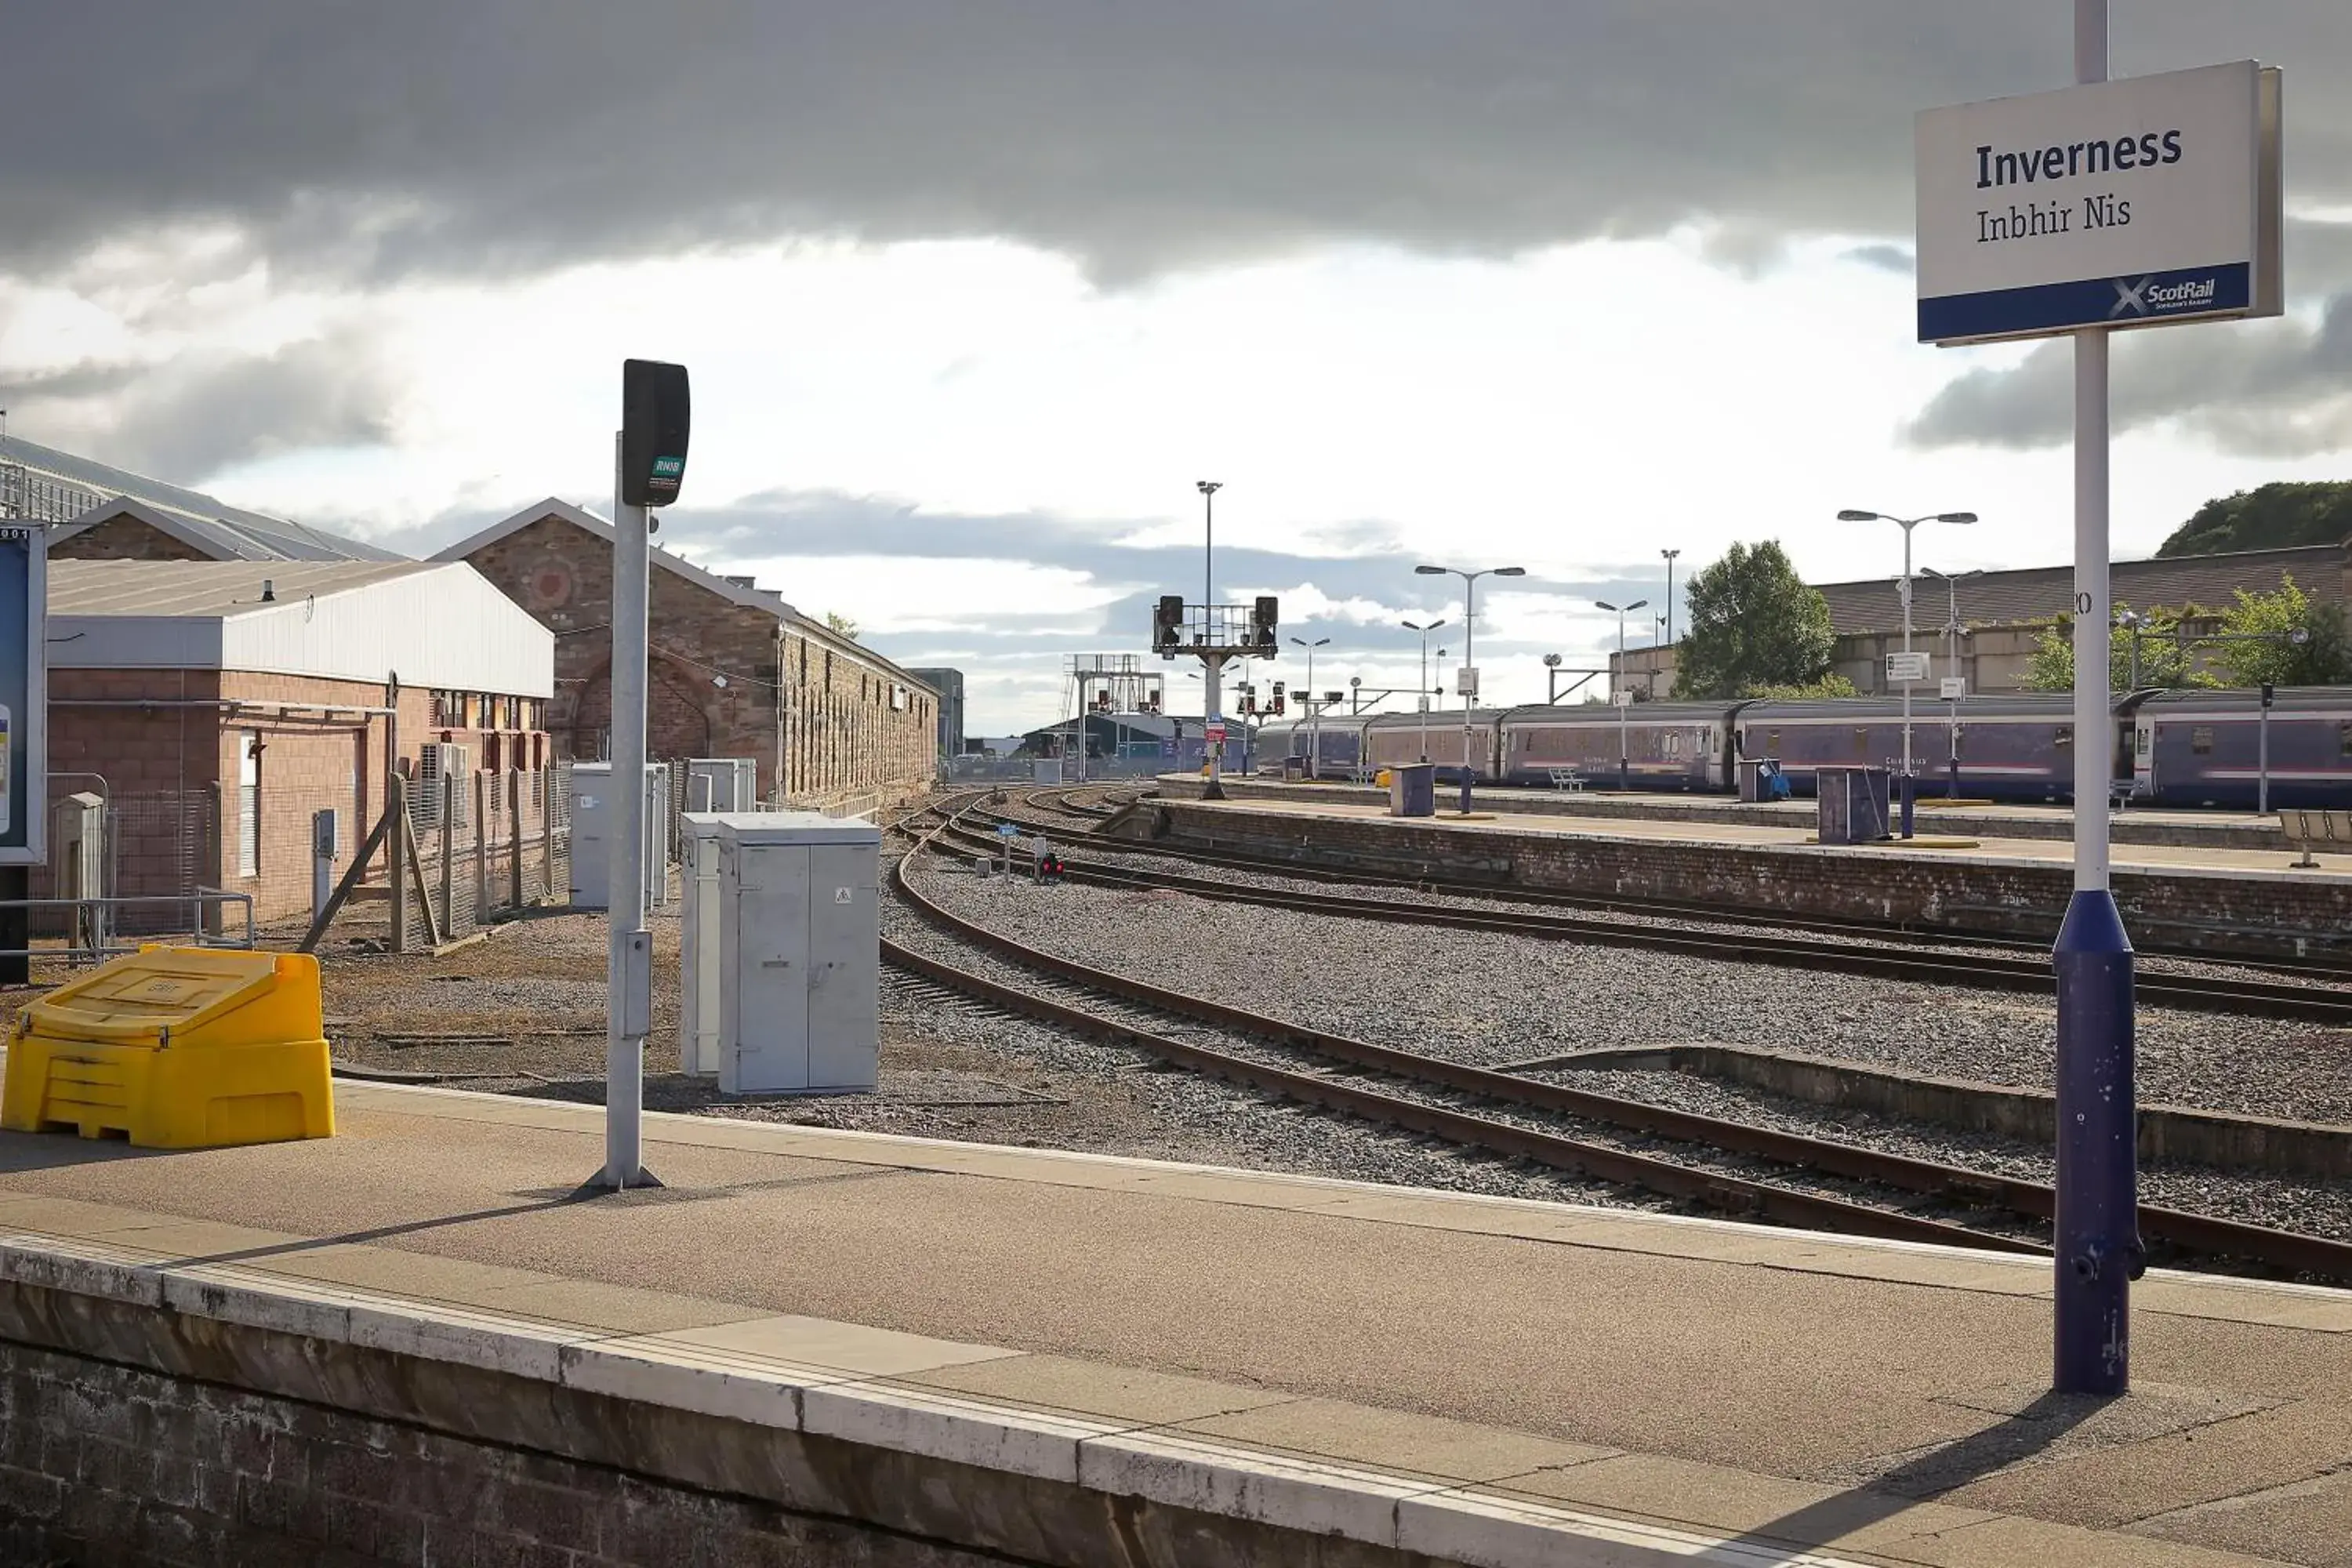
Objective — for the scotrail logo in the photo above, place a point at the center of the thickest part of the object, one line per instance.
(2150, 298)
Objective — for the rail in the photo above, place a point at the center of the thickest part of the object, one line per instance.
(2186, 1231)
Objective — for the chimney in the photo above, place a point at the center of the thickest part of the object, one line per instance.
(268, 591)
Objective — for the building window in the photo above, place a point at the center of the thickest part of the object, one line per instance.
(449, 711)
(248, 804)
(2201, 739)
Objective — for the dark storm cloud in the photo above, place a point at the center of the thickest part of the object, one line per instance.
(194, 416)
(468, 136)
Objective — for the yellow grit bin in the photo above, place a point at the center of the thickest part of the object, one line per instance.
(176, 1048)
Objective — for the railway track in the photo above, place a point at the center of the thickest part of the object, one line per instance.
(1867, 954)
(1104, 1004)
(1889, 931)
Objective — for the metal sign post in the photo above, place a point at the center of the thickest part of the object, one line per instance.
(648, 470)
(2102, 206)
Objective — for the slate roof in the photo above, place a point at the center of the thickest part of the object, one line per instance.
(2042, 593)
(223, 531)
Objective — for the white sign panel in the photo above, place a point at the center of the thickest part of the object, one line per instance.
(1904, 669)
(2117, 204)
(1953, 688)
(1465, 681)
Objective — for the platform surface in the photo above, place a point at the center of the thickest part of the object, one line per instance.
(2167, 860)
(1880, 1402)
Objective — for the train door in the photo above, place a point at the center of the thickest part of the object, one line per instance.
(2143, 755)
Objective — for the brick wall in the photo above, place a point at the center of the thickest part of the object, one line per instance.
(2215, 912)
(814, 715)
(173, 771)
(103, 1463)
(124, 538)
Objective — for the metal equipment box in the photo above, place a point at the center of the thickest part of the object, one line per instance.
(176, 1048)
(799, 950)
(1853, 804)
(721, 784)
(1412, 789)
(594, 811)
(701, 1014)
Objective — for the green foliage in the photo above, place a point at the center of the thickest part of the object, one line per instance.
(1827, 685)
(841, 625)
(2272, 516)
(2322, 659)
(1753, 623)
(2164, 658)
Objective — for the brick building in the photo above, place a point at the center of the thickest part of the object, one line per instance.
(218, 705)
(734, 671)
(2003, 614)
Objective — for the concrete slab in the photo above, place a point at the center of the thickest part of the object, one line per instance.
(1037, 1306)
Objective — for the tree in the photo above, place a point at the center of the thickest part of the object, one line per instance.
(1827, 685)
(1753, 622)
(2321, 659)
(2271, 516)
(841, 625)
(2164, 658)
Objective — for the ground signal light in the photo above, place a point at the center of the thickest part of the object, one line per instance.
(1278, 697)
(1168, 624)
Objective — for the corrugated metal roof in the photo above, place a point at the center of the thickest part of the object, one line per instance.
(223, 531)
(2042, 593)
(205, 588)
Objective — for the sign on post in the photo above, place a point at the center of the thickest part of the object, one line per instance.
(1952, 687)
(2115, 204)
(657, 416)
(1215, 734)
(1905, 668)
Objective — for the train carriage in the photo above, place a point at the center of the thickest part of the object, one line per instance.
(2010, 748)
(2209, 749)
(1442, 739)
(1665, 745)
(1335, 743)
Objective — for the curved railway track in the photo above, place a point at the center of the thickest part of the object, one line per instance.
(1100, 1003)
(1995, 969)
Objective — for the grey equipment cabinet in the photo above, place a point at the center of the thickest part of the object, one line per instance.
(594, 813)
(800, 949)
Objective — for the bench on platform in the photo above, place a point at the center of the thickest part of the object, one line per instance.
(2123, 792)
(1568, 779)
(2307, 830)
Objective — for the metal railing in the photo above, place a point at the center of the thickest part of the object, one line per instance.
(92, 924)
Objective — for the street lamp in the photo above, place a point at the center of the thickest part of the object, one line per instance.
(1906, 524)
(1208, 489)
(1953, 633)
(1314, 709)
(1469, 649)
(1623, 698)
(1424, 631)
(1670, 555)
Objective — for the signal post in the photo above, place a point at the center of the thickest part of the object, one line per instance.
(1213, 633)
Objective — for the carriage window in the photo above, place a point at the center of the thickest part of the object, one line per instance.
(2344, 740)
(1862, 742)
(1772, 742)
(2065, 734)
(2201, 739)
(1674, 744)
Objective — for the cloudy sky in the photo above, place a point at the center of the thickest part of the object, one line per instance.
(974, 291)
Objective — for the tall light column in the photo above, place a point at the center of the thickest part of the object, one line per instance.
(1623, 698)
(1469, 650)
(1906, 524)
(1424, 631)
(1314, 709)
(627, 941)
(1670, 555)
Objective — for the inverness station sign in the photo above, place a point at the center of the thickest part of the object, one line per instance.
(2116, 204)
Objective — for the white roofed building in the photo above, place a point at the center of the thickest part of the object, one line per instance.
(218, 705)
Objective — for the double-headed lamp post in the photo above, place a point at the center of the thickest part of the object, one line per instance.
(1469, 650)
(1906, 524)
(1623, 698)
(1314, 709)
(1424, 631)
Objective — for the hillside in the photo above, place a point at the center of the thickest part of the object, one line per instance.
(2272, 516)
